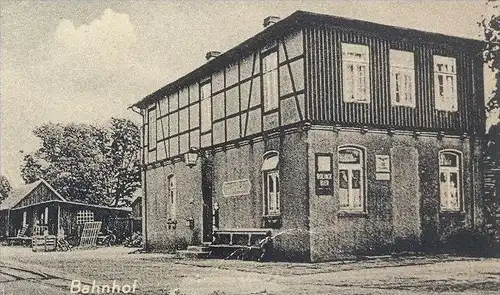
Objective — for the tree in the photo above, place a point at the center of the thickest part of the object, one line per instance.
(491, 28)
(5, 188)
(86, 163)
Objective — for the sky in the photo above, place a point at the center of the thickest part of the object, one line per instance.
(87, 61)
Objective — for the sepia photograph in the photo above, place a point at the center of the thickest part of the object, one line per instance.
(249, 147)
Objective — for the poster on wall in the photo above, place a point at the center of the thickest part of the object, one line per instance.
(324, 174)
(382, 167)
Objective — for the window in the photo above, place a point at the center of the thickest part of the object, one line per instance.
(84, 216)
(152, 128)
(355, 67)
(351, 178)
(206, 107)
(172, 196)
(450, 180)
(270, 81)
(271, 183)
(445, 83)
(402, 78)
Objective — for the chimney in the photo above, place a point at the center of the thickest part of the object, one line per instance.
(270, 20)
(211, 55)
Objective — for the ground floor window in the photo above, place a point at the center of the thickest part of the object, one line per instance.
(84, 216)
(271, 183)
(450, 180)
(351, 178)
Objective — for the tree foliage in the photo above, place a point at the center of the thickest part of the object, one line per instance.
(87, 163)
(5, 187)
(491, 28)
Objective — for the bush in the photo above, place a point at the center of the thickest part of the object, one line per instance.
(469, 242)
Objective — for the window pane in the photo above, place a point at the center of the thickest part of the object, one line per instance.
(344, 197)
(349, 156)
(356, 179)
(270, 183)
(344, 179)
(448, 160)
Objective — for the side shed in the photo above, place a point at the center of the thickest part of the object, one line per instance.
(39, 204)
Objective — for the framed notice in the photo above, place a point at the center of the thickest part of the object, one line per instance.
(234, 188)
(324, 174)
(382, 164)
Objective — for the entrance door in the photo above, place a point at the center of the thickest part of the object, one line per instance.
(206, 189)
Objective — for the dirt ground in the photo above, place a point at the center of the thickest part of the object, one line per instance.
(25, 272)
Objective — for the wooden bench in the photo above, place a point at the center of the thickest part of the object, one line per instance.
(243, 237)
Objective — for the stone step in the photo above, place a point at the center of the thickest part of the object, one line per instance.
(198, 248)
(192, 254)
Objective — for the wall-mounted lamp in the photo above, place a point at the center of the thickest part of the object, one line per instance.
(191, 156)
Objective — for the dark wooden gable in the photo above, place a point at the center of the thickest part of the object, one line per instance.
(40, 194)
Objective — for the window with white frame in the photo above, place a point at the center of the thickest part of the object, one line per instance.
(351, 178)
(84, 216)
(450, 180)
(172, 196)
(271, 183)
(355, 68)
(402, 78)
(206, 107)
(270, 80)
(445, 83)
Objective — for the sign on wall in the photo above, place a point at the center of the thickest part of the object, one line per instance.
(324, 174)
(238, 187)
(382, 167)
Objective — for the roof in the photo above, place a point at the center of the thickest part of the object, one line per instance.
(281, 28)
(17, 194)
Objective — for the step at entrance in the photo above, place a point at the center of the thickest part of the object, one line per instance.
(194, 252)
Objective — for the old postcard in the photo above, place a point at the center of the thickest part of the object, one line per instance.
(250, 147)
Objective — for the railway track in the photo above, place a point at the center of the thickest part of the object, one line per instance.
(36, 279)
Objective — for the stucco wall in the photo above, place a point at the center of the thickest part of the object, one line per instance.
(245, 162)
(402, 213)
(189, 203)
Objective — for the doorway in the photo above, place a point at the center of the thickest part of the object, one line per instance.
(206, 189)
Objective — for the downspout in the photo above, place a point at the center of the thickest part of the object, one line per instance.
(143, 183)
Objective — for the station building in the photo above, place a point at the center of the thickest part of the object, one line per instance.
(342, 136)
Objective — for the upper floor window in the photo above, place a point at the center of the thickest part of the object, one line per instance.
(206, 106)
(271, 181)
(351, 178)
(445, 83)
(152, 128)
(270, 80)
(355, 67)
(402, 78)
(450, 176)
(172, 196)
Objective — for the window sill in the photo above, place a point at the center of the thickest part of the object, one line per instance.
(271, 221)
(352, 214)
(358, 101)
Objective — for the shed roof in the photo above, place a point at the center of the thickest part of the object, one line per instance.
(296, 20)
(17, 194)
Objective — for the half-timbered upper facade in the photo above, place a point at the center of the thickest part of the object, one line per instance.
(324, 70)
